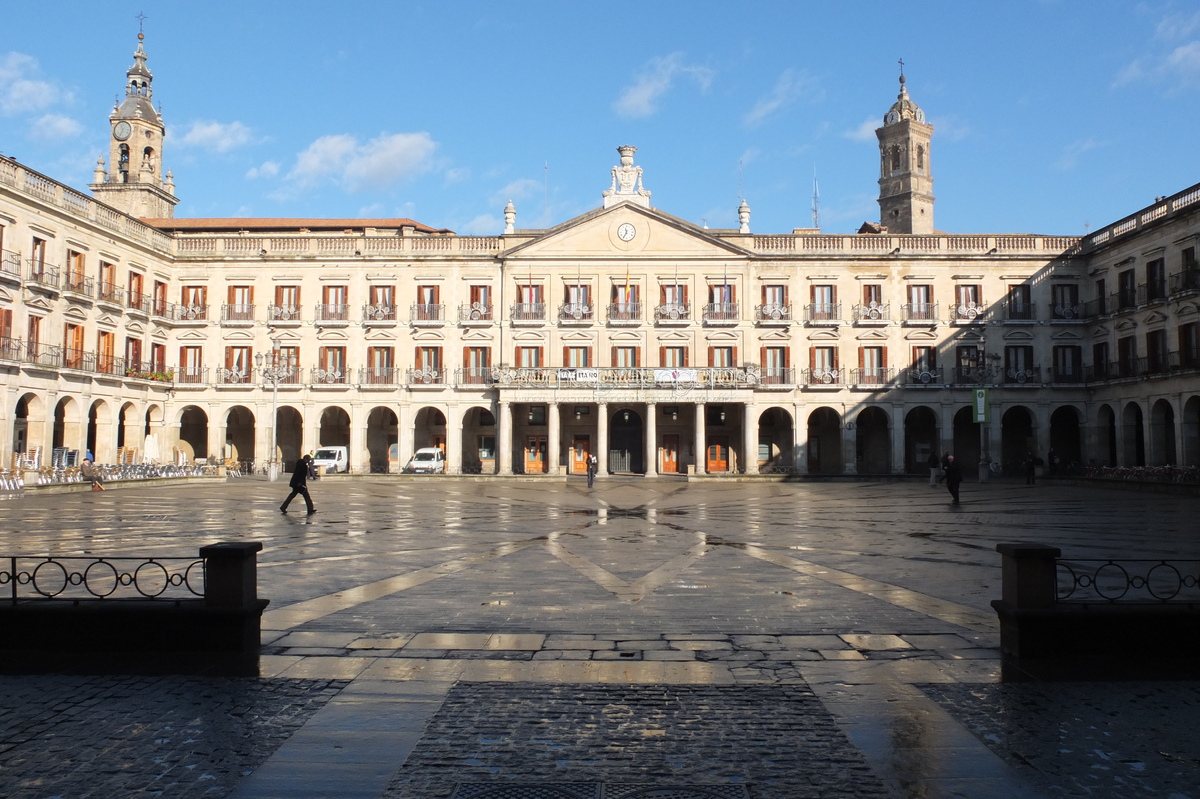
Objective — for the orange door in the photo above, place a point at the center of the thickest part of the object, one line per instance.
(580, 449)
(670, 454)
(718, 454)
(535, 455)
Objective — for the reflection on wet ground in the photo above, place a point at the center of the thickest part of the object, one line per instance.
(731, 598)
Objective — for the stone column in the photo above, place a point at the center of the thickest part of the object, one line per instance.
(602, 438)
(360, 455)
(106, 441)
(946, 429)
(454, 439)
(262, 433)
(799, 439)
(749, 440)
(404, 434)
(504, 444)
(553, 436)
(898, 440)
(699, 456)
(7, 411)
(1041, 435)
(651, 439)
(310, 428)
(849, 448)
(216, 433)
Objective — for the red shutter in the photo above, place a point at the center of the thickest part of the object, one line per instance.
(590, 360)
(762, 357)
(637, 356)
(685, 293)
(735, 358)
(614, 357)
(710, 356)
(812, 357)
(416, 357)
(883, 357)
(862, 357)
(662, 356)
(566, 361)
(540, 356)
(686, 357)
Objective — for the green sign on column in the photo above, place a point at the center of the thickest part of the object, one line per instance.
(982, 406)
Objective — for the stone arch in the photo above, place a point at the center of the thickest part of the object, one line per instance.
(429, 429)
(29, 423)
(68, 430)
(1017, 440)
(383, 430)
(1065, 440)
(193, 432)
(1133, 435)
(289, 441)
(334, 428)
(920, 439)
(626, 437)
(1191, 432)
(479, 441)
(1106, 437)
(873, 441)
(824, 441)
(1162, 434)
(240, 434)
(775, 441)
(966, 444)
(100, 440)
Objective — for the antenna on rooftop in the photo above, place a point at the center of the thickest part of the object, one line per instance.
(816, 204)
(741, 196)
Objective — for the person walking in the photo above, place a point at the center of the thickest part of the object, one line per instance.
(592, 463)
(953, 477)
(935, 466)
(299, 485)
(946, 458)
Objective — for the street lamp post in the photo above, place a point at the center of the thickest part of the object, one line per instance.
(274, 373)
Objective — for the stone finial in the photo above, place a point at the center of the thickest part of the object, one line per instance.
(744, 217)
(510, 217)
(100, 175)
(170, 183)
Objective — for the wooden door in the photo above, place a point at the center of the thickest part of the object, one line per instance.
(581, 448)
(718, 454)
(535, 455)
(670, 454)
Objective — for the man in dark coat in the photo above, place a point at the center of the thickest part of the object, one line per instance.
(953, 477)
(299, 484)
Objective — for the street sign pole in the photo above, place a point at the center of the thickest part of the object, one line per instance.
(981, 409)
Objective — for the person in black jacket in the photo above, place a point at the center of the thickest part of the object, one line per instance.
(953, 477)
(299, 484)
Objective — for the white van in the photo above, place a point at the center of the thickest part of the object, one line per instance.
(334, 459)
(427, 460)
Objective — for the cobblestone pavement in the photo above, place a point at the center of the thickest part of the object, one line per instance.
(753, 633)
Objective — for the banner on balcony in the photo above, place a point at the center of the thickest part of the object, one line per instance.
(578, 375)
(675, 376)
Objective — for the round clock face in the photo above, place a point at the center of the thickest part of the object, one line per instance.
(122, 131)
(626, 232)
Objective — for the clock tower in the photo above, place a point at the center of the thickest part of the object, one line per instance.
(905, 177)
(134, 182)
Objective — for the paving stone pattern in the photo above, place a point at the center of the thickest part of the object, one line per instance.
(108, 737)
(779, 741)
(1095, 740)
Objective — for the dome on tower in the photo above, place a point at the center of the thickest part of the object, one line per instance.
(903, 108)
(138, 91)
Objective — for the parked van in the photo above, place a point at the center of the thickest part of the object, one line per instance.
(427, 460)
(334, 459)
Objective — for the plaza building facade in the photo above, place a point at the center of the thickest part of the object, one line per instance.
(662, 346)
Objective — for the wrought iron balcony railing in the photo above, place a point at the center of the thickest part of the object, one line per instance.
(110, 292)
(1020, 312)
(778, 376)
(238, 313)
(673, 312)
(575, 312)
(773, 312)
(1186, 281)
(191, 313)
(473, 376)
(721, 312)
(80, 284)
(871, 376)
(379, 376)
(968, 312)
(1028, 374)
(625, 312)
(824, 377)
(137, 301)
(871, 312)
(427, 313)
(428, 376)
(475, 312)
(44, 275)
(191, 375)
(1065, 312)
(819, 313)
(10, 263)
(275, 313)
(642, 377)
(379, 313)
(528, 312)
(328, 376)
(925, 377)
(919, 311)
(331, 312)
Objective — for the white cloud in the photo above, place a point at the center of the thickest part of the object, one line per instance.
(518, 190)
(1175, 68)
(457, 175)
(641, 99)
(1174, 27)
(482, 225)
(21, 91)
(950, 128)
(218, 137)
(865, 131)
(1073, 151)
(790, 87)
(378, 163)
(55, 126)
(268, 169)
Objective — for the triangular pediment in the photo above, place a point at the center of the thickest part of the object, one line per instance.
(379, 334)
(722, 337)
(332, 334)
(920, 335)
(578, 336)
(824, 335)
(675, 336)
(160, 335)
(239, 335)
(429, 335)
(477, 335)
(775, 335)
(1066, 335)
(872, 335)
(1100, 331)
(192, 335)
(5, 296)
(625, 232)
(39, 303)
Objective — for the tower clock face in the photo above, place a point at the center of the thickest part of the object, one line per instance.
(122, 131)
(626, 232)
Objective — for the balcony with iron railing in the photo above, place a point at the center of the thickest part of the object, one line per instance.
(1185, 282)
(721, 313)
(112, 365)
(966, 313)
(473, 376)
(427, 314)
(80, 360)
(645, 377)
(624, 313)
(528, 313)
(919, 313)
(1067, 376)
(873, 313)
(378, 376)
(190, 313)
(138, 302)
(80, 285)
(278, 314)
(428, 376)
(924, 377)
(673, 313)
(1153, 292)
(381, 314)
(148, 370)
(823, 313)
(1020, 312)
(575, 313)
(1066, 312)
(237, 314)
(1028, 375)
(43, 275)
(46, 355)
(871, 377)
(475, 313)
(245, 377)
(111, 293)
(831, 377)
(773, 313)
(1093, 309)
(10, 265)
(777, 377)
(191, 376)
(1125, 300)
(329, 375)
(974, 375)
(331, 314)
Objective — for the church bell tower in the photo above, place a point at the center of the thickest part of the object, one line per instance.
(134, 182)
(905, 176)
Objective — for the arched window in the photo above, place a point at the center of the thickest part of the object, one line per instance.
(895, 158)
(920, 156)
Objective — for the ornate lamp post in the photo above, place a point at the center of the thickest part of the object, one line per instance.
(273, 373)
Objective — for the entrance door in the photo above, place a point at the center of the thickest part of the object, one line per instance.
(580, 449)
(718, 454)
(670, 454)
(535, 455)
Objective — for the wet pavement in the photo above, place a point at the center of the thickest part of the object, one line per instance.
(438, 638)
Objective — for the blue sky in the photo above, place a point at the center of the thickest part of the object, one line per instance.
(1049, 116)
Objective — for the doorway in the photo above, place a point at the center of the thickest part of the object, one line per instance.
(717, 457)
(535, 455)
(581, 447)
(670, 454)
